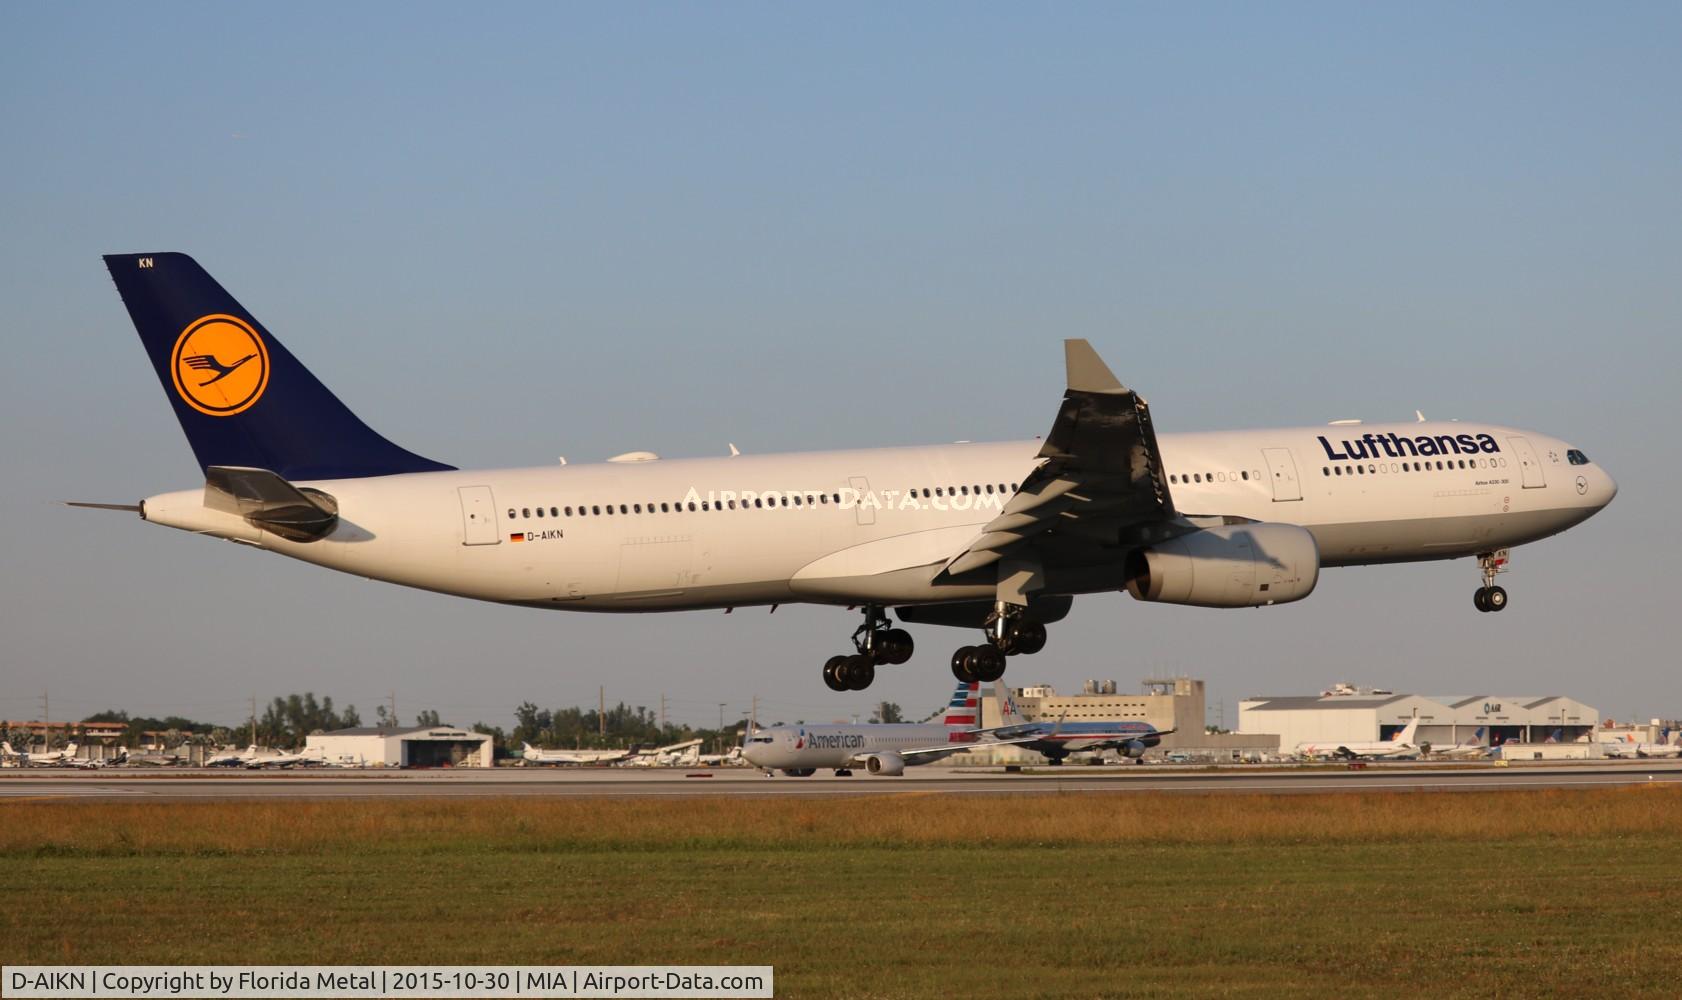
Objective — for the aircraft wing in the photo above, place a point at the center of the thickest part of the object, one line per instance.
(946, 748)
(1100, 473)
(1114, 742)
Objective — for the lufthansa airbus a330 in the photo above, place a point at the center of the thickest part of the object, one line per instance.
(996, 537)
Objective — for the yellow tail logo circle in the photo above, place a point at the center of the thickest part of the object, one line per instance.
(220, 365)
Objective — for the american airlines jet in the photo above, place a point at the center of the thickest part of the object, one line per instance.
(998, 538)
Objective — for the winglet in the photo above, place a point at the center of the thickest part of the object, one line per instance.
(1087, 371)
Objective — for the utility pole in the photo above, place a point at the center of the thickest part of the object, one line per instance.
(394, 708)
(46, 723)
(601, 711)
(662, 713)
(253, 721)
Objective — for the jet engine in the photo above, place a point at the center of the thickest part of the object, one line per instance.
(1134, 749)
(1229, 566)
(885, 763)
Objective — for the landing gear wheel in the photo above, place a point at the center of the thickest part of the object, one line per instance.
(1494, 599)
(1480, 599)
(894, 646)
(857, 672)
(1029, 638)
(832, 673)
(963, 664)
(987, 663)
(1054, 762)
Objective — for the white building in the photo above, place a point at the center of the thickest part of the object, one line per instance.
(425, 746)
(1350, 715)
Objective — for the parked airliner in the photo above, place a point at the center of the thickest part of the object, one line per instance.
(996, 537)
(880, 748)
(1056, 742)
(1402, 745)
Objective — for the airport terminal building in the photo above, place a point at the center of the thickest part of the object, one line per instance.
(1347, 714)
(426, 746)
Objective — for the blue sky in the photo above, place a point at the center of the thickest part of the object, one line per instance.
(507, 234)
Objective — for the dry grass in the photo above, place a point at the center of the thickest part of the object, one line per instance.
(1466, 894)
(433, 825)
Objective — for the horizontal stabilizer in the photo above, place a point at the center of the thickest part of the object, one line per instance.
(132, 508)
(270, 502)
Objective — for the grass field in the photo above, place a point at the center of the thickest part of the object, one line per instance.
(1443, 894)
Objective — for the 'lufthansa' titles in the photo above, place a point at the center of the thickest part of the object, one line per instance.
(1401, 446)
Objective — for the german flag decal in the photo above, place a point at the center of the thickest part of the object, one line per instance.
(518, 536)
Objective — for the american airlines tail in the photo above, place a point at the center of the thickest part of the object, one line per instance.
(964, 711)
(241, 397)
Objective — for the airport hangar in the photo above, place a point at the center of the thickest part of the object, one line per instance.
(1346, 715)
(423, 746)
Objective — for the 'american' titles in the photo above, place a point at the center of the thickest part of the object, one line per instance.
(1398, 446)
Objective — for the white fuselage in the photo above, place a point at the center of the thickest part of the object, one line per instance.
(753, 530)
(837, 746)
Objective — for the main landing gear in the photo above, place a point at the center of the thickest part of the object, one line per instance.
(1489, 597)
(877, 642)
(1009, 633)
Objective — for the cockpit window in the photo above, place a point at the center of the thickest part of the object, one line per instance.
(1576, 457)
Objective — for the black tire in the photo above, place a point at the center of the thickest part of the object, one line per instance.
(858, 672)
(962, 664)
(1480, 599)
(897, 646)
(1054, 762)
(1030, 638)
(1495, 599)
(800, 772)
(832, 673)
(987, 663)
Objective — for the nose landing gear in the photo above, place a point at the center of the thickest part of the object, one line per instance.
(877, 643)
(1489, 597)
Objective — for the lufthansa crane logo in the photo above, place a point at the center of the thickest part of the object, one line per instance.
(220, 365)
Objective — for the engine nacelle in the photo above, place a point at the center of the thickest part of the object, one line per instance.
(885, 763)
(1134, 749)
(1229, 566)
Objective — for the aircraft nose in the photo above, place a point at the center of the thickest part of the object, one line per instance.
(1608, 488)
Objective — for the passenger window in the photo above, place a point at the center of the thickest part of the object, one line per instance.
(692, 506)
(1245, 474)
(540, 512)
(510, 513)
(568, 511)
(1326, 469)
(525, 511)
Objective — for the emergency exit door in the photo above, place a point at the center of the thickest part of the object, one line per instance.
(478, 516)
(1282, 472)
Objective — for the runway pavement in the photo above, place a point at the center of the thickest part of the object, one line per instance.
(212, 785)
